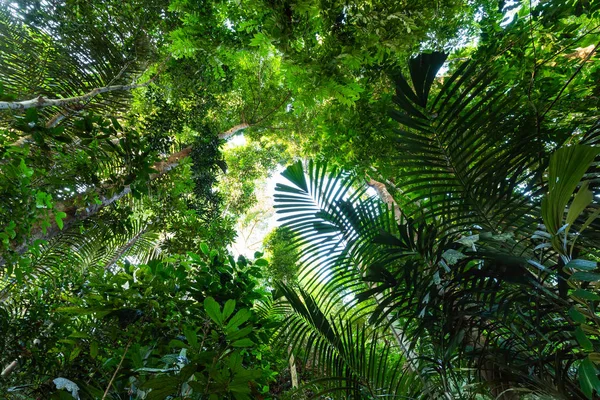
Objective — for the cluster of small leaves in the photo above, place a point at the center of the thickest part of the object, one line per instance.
(246, 166)
(207, 161)
(283, 256)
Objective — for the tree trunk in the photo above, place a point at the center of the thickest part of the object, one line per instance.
(293, 371)
(386, 197)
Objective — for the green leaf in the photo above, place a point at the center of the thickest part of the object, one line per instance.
(204, 248)
(261, 262)
(191, 336)
(586, 276)
(161, 393)
(588, 378)
(585, 294)
(177, 344)
(31, 115)
(74, 353)
(583, 340)
(576, 316)
(94, 349)
(165, 381)
(583, 198)
(239, 318)
(59, 219)
(584, 265)
(228, 309)
(25, 171)
(567, 167)
(243, 343)
(239, 333)
(213, 310)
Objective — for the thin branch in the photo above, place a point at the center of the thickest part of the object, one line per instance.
(585, 60)
(117, 370)
(277, 107)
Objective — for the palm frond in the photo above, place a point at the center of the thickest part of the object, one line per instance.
(458, 156)
(354, 360)
(33, 62)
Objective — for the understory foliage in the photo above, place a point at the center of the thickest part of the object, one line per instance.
(438, 232)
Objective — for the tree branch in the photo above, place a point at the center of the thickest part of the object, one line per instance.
(117, 370)
(585, 60)
(40, 101)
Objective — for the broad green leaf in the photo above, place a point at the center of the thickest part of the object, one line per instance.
(204, 248)
(588, 378)
(175, 343)
(567, 167)
(79, 335)
(228, 309)
(213, 310)
(74, 353)
(243, 343)
(576, 316)
(261, 262)
(583, 198)
(583, 340)
(59, 216)
(239, 318)
(590, 219)
(191, 336)
(585, 294)
(584, 265)
(94, 349)
(161, 382)
(239, 333)
(235, 361)
(586, 276)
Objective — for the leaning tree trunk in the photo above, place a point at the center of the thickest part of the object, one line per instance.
(75, 215)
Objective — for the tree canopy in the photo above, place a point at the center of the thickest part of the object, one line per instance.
(437, 233)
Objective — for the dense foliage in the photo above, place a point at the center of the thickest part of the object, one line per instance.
(438, 233)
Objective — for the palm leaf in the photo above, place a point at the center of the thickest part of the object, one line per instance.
(354, 360)
(456, 159)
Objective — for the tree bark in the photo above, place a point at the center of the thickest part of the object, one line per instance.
(233, 131)
(9, 368)
(75, 215)
(293, 371)
(386, 197)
